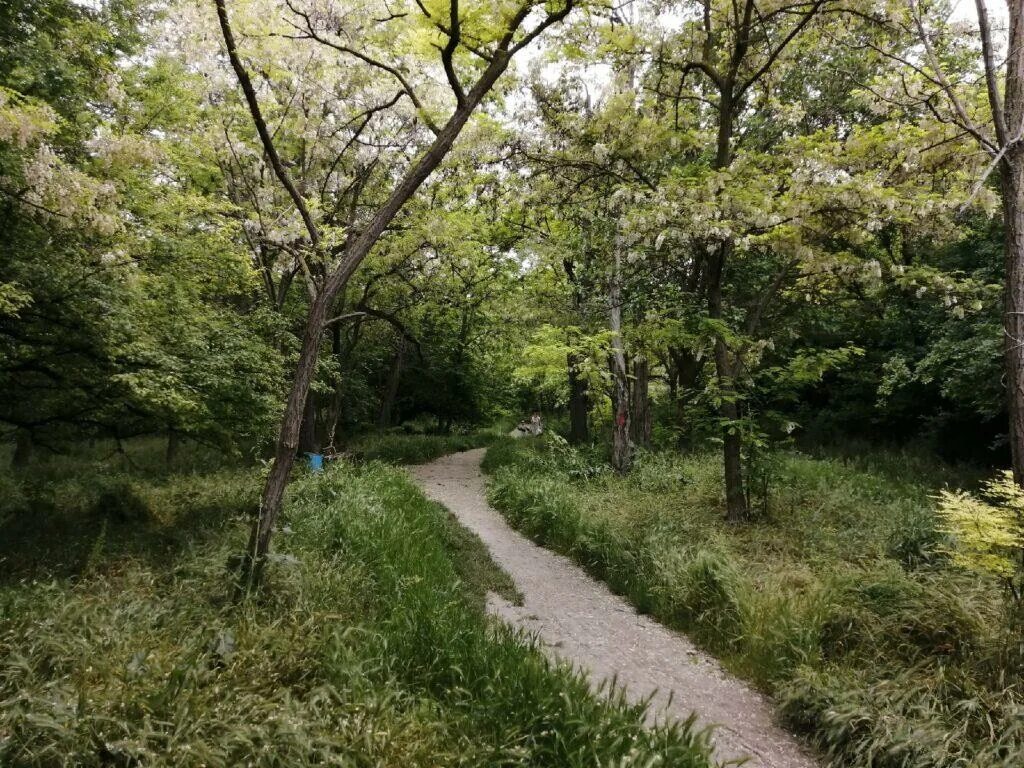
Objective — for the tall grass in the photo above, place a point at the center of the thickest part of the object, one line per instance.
(841, 601)
(397, 448)
(368, 647)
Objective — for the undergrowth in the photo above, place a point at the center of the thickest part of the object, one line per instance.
(398, 448)
(841, 602)
(367, 648)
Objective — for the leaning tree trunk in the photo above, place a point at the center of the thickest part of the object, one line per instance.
(621, 453)
(579, 403)
(287, 444)
(354, 251)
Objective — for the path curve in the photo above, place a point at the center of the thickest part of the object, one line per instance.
(579, 620)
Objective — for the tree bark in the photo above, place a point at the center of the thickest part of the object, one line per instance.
(579, 403)
(579, 396)
(736, 508)
(22, 448)
(1012, 182)
(641, 410)
(287, 444)
(387, 402)
(173, 443)
(1013, 322)
(334, 415)
(621, 448)
(308, 433)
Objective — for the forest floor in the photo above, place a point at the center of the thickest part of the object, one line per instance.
(579, 620)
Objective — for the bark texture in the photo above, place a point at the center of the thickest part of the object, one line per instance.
(579, 403)
(387, 401)
(1012, 183)
(622, 457)
(640, 416)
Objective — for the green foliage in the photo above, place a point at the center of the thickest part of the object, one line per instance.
(369, 648)
(839, 600)
(988, 530)
(394, 448)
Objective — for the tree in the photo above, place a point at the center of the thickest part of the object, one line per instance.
(998, 130)
(125, 300)
(491, 39)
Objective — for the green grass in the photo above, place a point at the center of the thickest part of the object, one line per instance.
(367, 648)
(397, 448)
(840, 602)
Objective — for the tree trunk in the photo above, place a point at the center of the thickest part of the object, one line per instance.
(287, 443)
(641, 410)
(1012, 180)
(579, 403)
(308, 438)
(728, 409)
(387, 402)
(621, 449)
(687, 372)
(22, 448)
(173, 443)
(1013, 322)
(334, 413)
(732, 445)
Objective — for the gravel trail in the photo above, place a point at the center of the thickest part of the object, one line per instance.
(579, 620)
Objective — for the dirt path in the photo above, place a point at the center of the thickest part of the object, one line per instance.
(581, 621)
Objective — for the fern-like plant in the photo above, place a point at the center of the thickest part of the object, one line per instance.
(988, 532)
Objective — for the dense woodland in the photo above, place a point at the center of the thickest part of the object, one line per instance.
(759, 264)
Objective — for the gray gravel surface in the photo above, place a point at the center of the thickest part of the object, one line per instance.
(580, 621)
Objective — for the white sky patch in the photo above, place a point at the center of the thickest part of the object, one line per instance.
(966, 10)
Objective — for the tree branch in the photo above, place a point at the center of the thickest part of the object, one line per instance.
(448, 52)
(261, 125)
(994, 99)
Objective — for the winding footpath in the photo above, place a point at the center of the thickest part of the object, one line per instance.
(580, 621)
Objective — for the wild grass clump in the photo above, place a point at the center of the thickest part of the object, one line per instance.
(368, 646)
(841, 600)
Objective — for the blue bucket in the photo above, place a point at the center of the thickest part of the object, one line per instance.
(316, 461)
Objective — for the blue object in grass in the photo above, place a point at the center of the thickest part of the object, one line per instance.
(316, 461)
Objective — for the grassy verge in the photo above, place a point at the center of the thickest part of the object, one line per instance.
(840, 601)
(368, 647)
